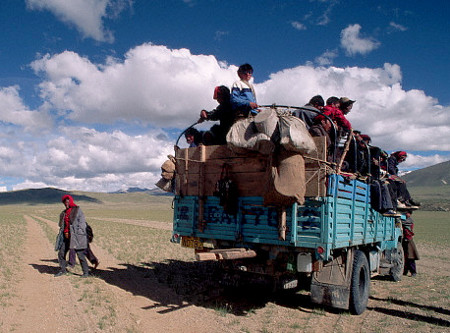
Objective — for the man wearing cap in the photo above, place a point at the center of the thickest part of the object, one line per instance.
(346, 104)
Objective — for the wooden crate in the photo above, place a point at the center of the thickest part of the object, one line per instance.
(198, 170)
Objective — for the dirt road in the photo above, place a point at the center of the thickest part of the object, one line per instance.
(176, 296)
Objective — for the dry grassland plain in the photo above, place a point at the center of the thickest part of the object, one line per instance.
(147, 284)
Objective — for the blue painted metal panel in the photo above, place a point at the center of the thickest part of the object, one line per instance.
(342, 218)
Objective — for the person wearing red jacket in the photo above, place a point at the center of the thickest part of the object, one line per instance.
(333, 109)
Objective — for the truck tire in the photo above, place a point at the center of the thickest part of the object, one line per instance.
(360, 283)
(398, 262)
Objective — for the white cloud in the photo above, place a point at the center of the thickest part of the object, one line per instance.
(154, 84)
(83, 158)
(220, 34)
(353, 43)
(86, 15)
(298, 25)
(326, 58)
(13, 111)
(393, 117)
(397, 27)
(418, 162)
(155, 87)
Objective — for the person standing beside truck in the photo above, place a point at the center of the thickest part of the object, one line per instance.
(409, 247)
(243, 96)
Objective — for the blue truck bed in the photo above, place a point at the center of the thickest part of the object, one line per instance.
(343, 218)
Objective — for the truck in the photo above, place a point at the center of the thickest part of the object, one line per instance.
(332, 242)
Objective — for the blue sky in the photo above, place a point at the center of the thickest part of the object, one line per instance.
(93, 93)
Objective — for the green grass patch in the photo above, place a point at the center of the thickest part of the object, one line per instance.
(432, 227)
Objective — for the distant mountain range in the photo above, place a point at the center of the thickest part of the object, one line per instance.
(40, 196)
(435, 175)
(436, 178)
(155, 191)
(51, 195)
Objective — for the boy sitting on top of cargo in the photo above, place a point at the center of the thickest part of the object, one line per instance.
(243, 96)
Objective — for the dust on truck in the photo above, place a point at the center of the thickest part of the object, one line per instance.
(326, 234)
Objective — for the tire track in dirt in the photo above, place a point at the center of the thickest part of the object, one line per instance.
(141, 301)
(42, 303)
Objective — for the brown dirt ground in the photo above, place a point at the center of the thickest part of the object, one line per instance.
(175, 296)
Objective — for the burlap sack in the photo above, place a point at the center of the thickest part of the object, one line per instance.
(266, 122)
(243, 136)
(287, 180)
(168, 168)
(165, 185)
(294, 136)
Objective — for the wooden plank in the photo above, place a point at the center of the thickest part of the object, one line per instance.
(237, 165)
(203, 256)
(249, 184)
(238, 255)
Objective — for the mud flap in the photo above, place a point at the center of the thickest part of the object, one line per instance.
(331, 285)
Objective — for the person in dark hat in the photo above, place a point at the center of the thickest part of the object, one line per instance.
(345, 104)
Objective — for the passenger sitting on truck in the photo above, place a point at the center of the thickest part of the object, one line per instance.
(398, 185)
(243, 96)
(316, 103)
(322, 127)
(332, 110)
(358, 155)
(223, 112)
(193, 137)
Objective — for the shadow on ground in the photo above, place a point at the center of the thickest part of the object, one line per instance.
(175, 284)
(172, 285)
(411, 315)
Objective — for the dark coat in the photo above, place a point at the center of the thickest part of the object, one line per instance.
(410, 249)
(78, 236)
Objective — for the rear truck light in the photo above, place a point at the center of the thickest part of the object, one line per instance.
(175, 238)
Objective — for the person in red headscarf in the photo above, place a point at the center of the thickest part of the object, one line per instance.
(223, 113)
(72, 223)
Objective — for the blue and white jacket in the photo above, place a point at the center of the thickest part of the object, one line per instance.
(242, 94)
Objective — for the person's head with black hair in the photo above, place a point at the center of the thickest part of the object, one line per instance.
(221, 94)
(193, 137)
(333, 101)
(317, 101)
(245, 72)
